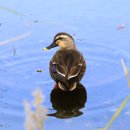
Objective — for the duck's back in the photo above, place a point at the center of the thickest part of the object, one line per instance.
(68, 64)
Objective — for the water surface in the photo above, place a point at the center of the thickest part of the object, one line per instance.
(93, 24)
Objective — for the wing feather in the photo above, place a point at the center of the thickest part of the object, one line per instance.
(69, 64)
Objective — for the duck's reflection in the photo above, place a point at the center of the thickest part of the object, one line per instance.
(68, 104)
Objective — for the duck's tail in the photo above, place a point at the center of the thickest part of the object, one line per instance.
(64, 83)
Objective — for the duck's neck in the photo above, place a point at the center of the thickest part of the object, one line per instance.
(68, 48)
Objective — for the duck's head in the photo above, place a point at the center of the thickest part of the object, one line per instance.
(62, 40)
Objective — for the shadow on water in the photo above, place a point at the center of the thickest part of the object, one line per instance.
(68, 104)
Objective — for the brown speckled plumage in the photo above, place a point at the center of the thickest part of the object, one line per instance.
(67, 62)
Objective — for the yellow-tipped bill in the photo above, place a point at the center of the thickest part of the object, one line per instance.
(45, 49)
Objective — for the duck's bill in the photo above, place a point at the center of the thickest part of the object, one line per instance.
(45, 49)
(50, 46)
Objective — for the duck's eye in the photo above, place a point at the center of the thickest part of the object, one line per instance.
(57, 42)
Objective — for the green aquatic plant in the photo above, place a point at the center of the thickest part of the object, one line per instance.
(36, 114)
(126, 71)
(117, 112)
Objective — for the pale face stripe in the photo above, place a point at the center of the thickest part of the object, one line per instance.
(61, 36)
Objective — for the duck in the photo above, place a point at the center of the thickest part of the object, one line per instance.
(67, 66)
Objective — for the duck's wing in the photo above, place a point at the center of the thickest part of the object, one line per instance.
(68, 65)
(75, 66)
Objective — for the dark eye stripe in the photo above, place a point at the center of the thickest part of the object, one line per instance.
(60, 38)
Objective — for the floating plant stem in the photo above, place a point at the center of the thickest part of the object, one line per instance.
(19, 37)
(10, 10)
(126, 71)
(124, 67)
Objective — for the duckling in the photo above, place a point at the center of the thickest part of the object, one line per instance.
(67, 67)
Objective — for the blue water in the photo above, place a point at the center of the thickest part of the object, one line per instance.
(93, 24)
